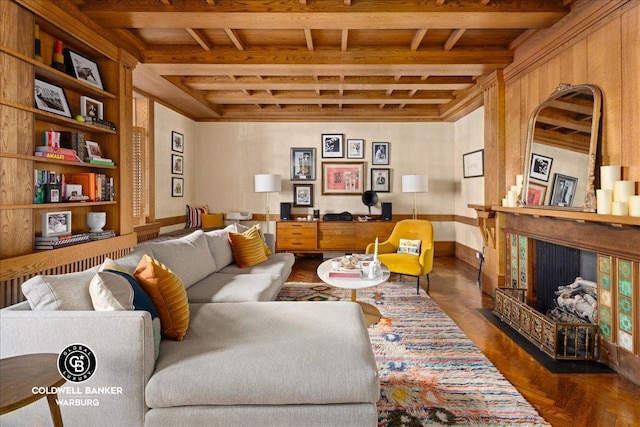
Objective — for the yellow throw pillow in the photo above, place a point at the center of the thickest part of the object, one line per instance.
(267, 250)
(212, 220)
(168, 295)
(247, 247)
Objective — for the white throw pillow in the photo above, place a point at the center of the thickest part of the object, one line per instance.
(59, 292)
(110, 292)
(408, 246)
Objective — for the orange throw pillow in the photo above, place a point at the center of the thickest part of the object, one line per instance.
(247, 247)
(168, 295)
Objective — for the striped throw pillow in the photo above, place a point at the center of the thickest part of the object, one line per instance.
(247, 247)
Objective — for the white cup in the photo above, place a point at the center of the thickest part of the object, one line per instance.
(335, 265)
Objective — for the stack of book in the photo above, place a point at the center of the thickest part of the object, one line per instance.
(347, 274)
(100, 235)
(55, 242)
(100, 122)
(57, 153)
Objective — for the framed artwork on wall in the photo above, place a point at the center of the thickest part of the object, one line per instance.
(473, 164)
(177, 187)
(51, 98)
(177, 142)
(355, 148)
(302, 195)
(177, 162)
(380, 153)
(56, 223)
(564, 188)
(380, 180)
(332, 145)
(540, 167)
(342, 178)
(303, 164)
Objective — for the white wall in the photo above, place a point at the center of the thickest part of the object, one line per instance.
(469, 136)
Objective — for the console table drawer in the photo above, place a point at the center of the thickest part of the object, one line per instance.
(296, 233)
(293, 244)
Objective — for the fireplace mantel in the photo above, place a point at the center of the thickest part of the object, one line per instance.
(616, 242)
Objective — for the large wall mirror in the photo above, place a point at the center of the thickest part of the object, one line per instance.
(562, 146)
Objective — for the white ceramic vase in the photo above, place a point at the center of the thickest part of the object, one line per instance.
(96, 220)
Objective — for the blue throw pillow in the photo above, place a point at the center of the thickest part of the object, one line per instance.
(141, 299)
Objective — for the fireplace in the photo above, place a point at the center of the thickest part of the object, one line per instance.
(601, 249)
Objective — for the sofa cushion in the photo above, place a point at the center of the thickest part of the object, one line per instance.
(212, 220)
(110, 292)
(239, 228)
(141, 299)
(221, 287)
(168, 294)
(243, 354)
(60, 292)
(220, 247)
(194, 213)
(247, 247)
(189, 257)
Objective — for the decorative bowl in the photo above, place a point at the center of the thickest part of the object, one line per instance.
(96, 220)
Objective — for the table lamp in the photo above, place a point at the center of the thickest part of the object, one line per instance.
(415, 184)
(267, 183)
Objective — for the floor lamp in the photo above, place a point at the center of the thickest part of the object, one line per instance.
(415, 184)
(266, 183)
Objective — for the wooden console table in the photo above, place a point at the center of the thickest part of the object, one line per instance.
(330, 236)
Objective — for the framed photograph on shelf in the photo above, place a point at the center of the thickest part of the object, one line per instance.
(380, 153)
(540, 167)
(342, 178)
(355, 148)
(536, 194)
(473, 164)
(56, 224)
(176, 163)
(93, 149)
(90, 107)
(564, 188)
(332, 145)
(177, 141)
(303, 195)
(381, 180)
(83, 68)
(303, 164)
(177, 187)
(51, 98)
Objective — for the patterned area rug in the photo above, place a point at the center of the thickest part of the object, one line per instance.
(430, 372)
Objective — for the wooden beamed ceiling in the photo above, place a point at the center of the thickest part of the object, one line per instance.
(360, 60)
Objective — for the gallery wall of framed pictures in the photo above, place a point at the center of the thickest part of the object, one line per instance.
(177, 164)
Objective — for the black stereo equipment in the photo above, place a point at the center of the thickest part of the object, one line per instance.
(386, 211)
(285, 210)
(343, 216)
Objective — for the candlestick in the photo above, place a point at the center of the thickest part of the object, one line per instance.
(375, 251)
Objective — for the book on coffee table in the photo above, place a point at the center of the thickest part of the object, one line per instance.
(353, 274)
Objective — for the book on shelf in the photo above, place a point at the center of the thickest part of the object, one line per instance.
(100, 235)
(101, 161)
(352, 274)
(43, 180)
(57, 156)
(100, 122)
(65, 142)
(54, 242)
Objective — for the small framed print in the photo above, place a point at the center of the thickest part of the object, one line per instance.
(93, 149)
(332, 145)
(177, 142)
(540, 167)
(380, 153)
(564, 188)
(473, 164)
(536, 194)
(303, 164)
(355, 148)
(83, 68)
(381, 180)
(177, 187)
(90, 107)
(176, 163)
(302, 195)
(342, 178)
(51, 98)
(56, 223)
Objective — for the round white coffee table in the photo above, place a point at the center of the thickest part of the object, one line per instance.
(371, 313)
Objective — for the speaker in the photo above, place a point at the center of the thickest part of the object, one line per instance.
(386, 211)
(285, 210)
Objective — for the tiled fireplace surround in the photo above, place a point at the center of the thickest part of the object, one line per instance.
(617, 249)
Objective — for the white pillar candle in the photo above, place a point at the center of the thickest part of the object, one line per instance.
(634, 206)
(505, 203)
(519, 180)
(619, 208)
(603, 201)
(511, 199)
(622, 190)
(609, 175)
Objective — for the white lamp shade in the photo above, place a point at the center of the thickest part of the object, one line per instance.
(266, 183)
(415, 184)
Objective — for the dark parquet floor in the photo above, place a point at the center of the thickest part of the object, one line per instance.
(571, 400)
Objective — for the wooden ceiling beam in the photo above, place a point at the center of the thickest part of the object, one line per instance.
(235, 38)
(417, 39)
(307, 98)
(344, 40)
(308, 38)
(200, 38)
(453, 39)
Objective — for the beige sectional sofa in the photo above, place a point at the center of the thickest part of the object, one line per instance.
(245, 360)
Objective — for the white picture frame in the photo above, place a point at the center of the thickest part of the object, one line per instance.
(355, 148)
(90, 107)
(93, 149)
(56, 224)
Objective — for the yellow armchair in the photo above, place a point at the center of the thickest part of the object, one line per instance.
(403, 263)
